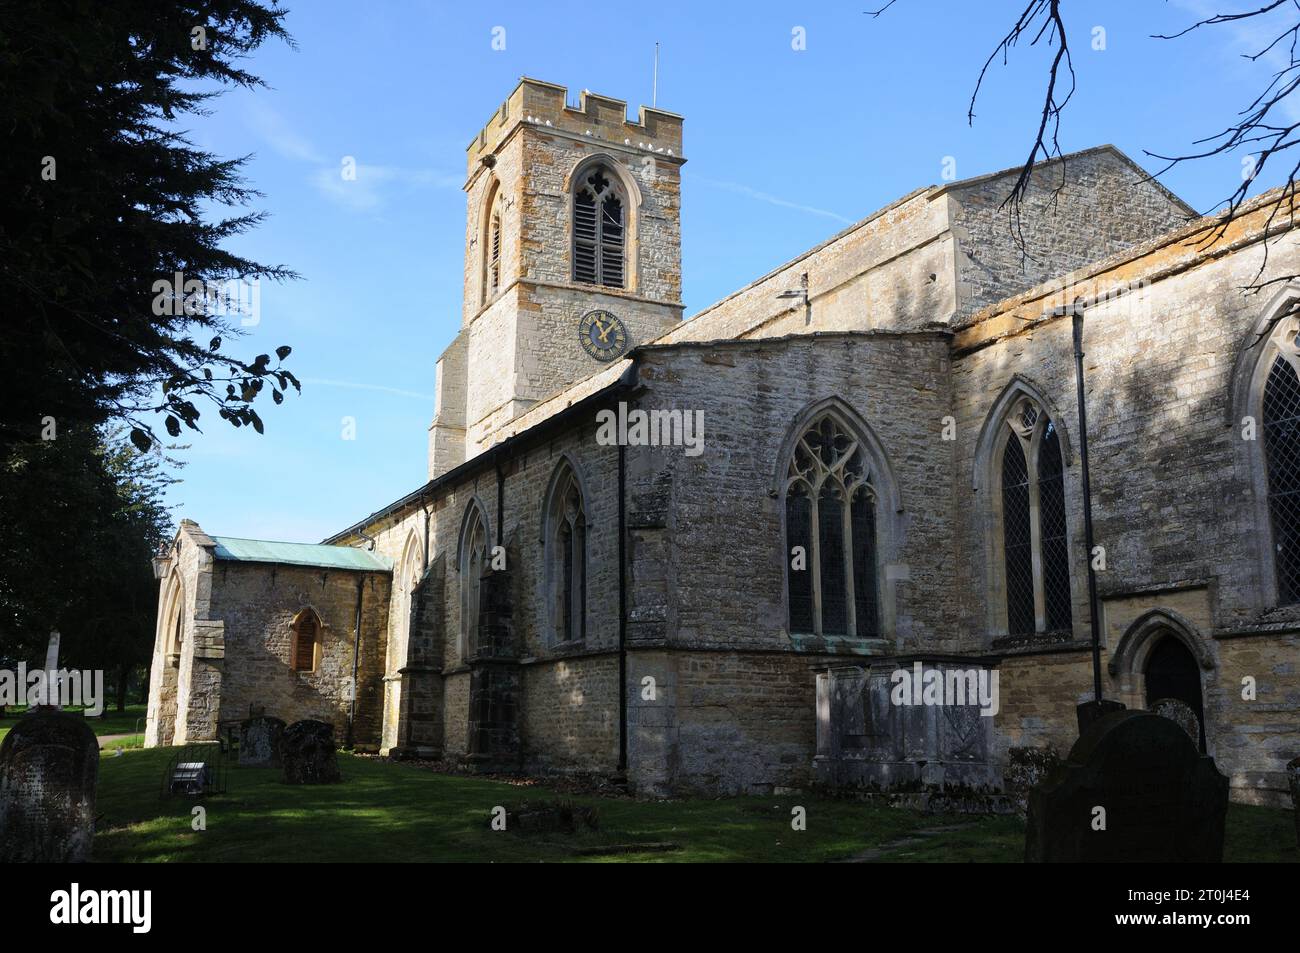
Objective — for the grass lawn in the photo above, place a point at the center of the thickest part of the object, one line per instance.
(113, 722)
(395, 812)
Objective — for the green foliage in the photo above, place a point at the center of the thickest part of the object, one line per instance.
(82, 517)
(105, 197)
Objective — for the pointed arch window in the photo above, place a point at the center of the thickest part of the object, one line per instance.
(1281, 426)
(831, 533)
(599, 230)
(1035, 547)
(566, 558)
(473, 562)
(491, 237)
(494, 254)
(305, 641)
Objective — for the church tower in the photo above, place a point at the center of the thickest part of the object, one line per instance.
(572, 256)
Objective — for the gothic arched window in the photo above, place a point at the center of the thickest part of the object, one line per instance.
(599, 229)
(305, 641)
(494, 254)
(830, 516)
(566, 557)
(1281, 425)
(1035, 550)
(491, 238)
(473, 562)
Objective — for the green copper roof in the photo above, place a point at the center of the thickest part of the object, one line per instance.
(299, 554)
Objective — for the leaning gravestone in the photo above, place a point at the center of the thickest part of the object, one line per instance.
(1181, 714)
(259, 742)
(1134, 788)
(1026, 769)
(1293, 780)
(307, 751)
(49, 764)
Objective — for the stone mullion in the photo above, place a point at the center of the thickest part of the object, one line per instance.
(1036, 527)
(815, 563)
(846, 535)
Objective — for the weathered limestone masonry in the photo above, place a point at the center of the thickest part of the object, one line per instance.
(189, 649)
(518, 325)
(943, 251)
(245, 609)
(554, 601)
(1171, 341)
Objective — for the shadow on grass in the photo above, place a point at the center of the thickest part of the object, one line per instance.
(395, 812)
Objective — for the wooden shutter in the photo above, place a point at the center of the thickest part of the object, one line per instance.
(494, 268)
(584, 237)
(304, 645)
(611, 242)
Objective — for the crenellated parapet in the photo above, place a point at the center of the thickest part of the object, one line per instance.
(599, 118)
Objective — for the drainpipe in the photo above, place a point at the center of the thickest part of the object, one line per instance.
(501, 498)
(1094, 606)
(356, 658)
(622, 609)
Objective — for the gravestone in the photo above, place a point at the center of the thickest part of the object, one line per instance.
(1181, 714)
(1293, 780)
(1026, 769)
(49, 764)
(1134, 788)
(259, 742)
(307, 752)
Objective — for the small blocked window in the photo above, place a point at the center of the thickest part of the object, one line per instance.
(305, 641)
(599, 231)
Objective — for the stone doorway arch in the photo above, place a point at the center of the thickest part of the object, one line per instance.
(1161, 655)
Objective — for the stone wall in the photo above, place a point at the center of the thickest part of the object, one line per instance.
(522, 340)
(1081, 209)
(1174, 492)
(185, 679)
(258, 603)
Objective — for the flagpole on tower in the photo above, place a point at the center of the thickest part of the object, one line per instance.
(654, 92)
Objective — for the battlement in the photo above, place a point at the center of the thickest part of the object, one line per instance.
(600, 118)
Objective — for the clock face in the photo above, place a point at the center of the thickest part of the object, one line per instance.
(603, 335)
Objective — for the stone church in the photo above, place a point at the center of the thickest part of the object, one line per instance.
(885, 474)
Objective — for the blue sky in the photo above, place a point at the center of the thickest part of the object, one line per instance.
(784, 149)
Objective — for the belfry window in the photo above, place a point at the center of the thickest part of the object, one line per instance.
(491, 238)
(1281, 425)
(599, 231)
(494, 255)
(830, 513)
(1034, 543)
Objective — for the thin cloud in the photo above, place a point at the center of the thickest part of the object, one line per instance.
(284, 141)
(354, 385)
(771, 199)
(366, 190)
(369, 185)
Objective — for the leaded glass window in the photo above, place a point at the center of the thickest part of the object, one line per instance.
(1281, 424)
(1035, 547)
(830, 510)
(567, 558)
(473, 561)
